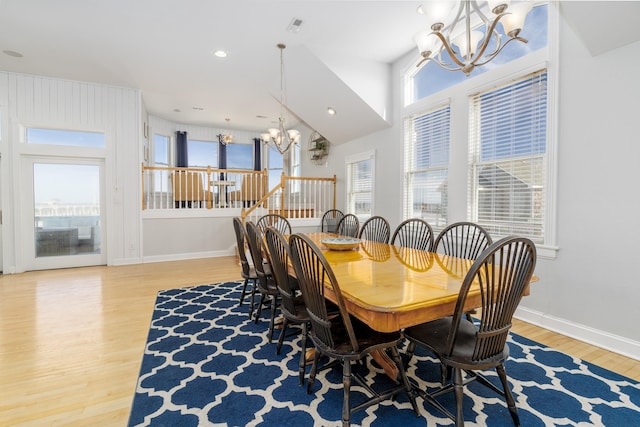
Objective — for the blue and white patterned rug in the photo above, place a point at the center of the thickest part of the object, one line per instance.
(206, 364)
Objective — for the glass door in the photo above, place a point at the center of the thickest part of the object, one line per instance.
(65, 205)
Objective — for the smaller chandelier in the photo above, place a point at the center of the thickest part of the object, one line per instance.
(471, 45)
(225, 138)
(280, 138)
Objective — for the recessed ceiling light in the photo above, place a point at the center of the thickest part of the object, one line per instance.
(331, 111)
(220, 53)
(12, 53)
(261, 117)
(198, 108)
(176, 110)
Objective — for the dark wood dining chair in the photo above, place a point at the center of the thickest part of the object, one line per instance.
(248, 271)
(292, 306)
(349, 225)
(266, 283)
(502, 273)
(276, 221)
(341, 337)
(413, 233)
(330, 219)
(375, 228)
(462, 240)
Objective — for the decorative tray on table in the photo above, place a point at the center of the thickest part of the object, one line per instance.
(341, 243)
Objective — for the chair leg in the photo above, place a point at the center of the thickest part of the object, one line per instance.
(253, 296)
(458, 389)
(511, 404)
(244, 291)
(405, 380)
(445, 373)
(303, 353)
(283, 331)
(272, 321)
(409, 353)
(346, 383)
(314, 369)
(259, 310)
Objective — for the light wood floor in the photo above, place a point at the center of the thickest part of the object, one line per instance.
(71, 341)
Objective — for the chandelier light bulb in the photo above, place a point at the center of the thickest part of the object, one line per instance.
(470, 48)
(513, 21)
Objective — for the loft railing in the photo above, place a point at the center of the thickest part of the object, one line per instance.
(171, 188)
(295, 197)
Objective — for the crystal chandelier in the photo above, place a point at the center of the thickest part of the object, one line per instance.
(280, 138)
(467, 47)
(225, 138)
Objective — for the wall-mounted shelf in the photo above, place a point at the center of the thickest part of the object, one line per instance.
(318, 148)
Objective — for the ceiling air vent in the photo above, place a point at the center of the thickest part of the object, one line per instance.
(295, 25)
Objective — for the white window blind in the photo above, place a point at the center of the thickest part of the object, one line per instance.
(360, 186)
(426, 166)
(508, 141)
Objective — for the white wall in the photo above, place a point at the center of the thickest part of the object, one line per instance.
(369, 79)
(48, 102)
(590, 290)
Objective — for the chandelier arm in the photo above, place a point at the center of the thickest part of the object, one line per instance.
(487, 38)
(493, 55)
(445, 66)
(448, 48)
(478, 11)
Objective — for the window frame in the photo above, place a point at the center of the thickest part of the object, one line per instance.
(477, 162)
(350, 161)
(458, 95)
(442, 114)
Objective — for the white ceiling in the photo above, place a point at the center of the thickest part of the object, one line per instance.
(164, 48)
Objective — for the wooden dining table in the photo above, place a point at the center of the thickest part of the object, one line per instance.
(391, 287)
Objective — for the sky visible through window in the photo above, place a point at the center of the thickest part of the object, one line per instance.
(66, 184)
(65, 137)
(432, 78)
(240, 156)
(202, 153)
(161, 150)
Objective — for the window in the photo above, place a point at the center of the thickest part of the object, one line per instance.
(160, 150)
(295, 160)
(508, 146)
(360, 173)
(65, 137)
(240, 156)
(201, 154)
(431, 78)
(294, 167)
(426, 166)
(275, 166)
(160, 179)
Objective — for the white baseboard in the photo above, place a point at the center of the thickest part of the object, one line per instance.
(189, 255)
(611, 342)
(126, 261)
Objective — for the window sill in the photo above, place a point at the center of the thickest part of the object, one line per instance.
(547, 252)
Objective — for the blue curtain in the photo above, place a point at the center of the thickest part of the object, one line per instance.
(182, 160)
(257, 144)
(222, 158)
